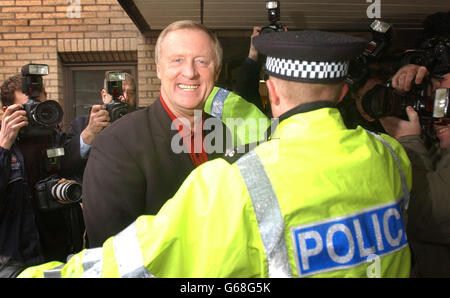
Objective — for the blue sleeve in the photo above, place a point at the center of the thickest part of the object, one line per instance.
(84, 148)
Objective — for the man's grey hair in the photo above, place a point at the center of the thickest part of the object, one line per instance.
(188, 24)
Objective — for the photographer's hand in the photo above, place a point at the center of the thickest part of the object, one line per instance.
(98, 120)
(403, 78)
(13, 120)
(398, 128)
(253, 53)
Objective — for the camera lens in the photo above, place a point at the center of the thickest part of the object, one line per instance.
(67, 191)
(47, 113)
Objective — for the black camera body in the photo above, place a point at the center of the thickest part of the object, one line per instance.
(358, 71)
(273, 12)
(49, 192)
(43, 117)
(115, 107)
(383, 100)
(433, 53)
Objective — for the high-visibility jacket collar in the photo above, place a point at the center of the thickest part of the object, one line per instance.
(310, 118)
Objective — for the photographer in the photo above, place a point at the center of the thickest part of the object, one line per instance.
(429, 208)
(30, 235)
(84, 129)
(247, 82)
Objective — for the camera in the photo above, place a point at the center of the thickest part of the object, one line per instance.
(49, 192)
(273, 12)
(383, 100)
(115, 107)
(433, 53)
(43, 116)
(358, 71)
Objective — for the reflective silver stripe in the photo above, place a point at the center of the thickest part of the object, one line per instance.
(54, 272)
(402, 174)
(128, 253)
(92, 262)
(217, 103)
(268, 214)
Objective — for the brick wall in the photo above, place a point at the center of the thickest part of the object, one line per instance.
(37, 30)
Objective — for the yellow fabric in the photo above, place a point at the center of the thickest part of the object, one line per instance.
(318, 169)
(246, 122)
(38, 271)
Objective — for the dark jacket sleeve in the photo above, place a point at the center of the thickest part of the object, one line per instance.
(113, 188)
(5, 161)
(247, 84)
(73, 164)
(429, 207)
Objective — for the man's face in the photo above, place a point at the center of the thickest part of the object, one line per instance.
(21, 98)
(187, 70)
(443, 129)
(128, 91)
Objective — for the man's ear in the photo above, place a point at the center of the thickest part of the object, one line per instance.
(273, 94)
(344, 91)
(104, 96)
(158, 74)
(216, 78)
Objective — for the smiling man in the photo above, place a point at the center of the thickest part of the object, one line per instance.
(132, 168)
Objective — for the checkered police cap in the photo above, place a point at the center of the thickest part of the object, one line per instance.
(308, 56)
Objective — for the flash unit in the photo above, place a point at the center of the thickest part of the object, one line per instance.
(116, 76)
(441, 101)
(35, 69)
(272, 4)
(380, 26)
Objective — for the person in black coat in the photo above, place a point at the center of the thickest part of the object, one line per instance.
(138, 162)
(29, 233)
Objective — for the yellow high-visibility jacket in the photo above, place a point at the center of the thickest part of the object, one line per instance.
(317, 199)
(246, 122)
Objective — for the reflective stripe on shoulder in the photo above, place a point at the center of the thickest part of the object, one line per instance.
(397, 162)
(54, 272)
(128, 253)
(268, 214)
(92, 262)
(218, 102)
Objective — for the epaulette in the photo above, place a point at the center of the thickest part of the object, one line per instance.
(232, 155)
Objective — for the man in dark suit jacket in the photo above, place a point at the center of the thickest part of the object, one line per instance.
(85, 128)
(139, 161)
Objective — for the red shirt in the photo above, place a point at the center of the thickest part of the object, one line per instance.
(192, 139)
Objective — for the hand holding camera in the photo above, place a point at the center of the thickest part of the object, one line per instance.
(404, 77)
(398, 128)
(43, 116)
(53, 193)
(14, 118)
(117, 107)
(98, 120)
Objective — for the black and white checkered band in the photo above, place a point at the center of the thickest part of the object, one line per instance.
(307, 70)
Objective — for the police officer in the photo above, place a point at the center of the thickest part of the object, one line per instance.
(316, 199)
